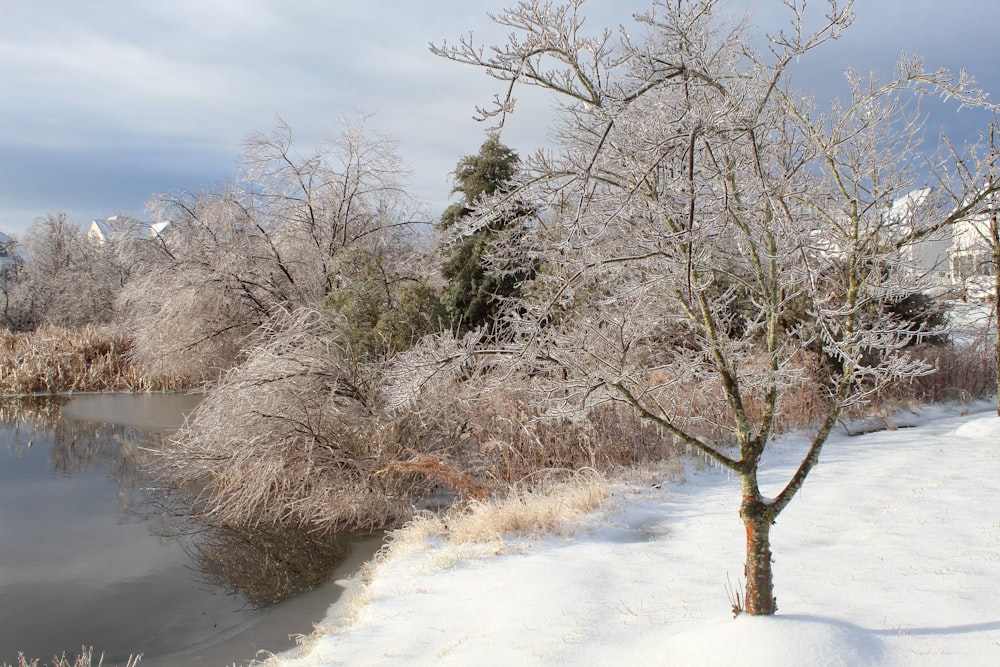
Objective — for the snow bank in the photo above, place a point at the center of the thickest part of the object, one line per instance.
(777, 641)
(889, 556)
(985, 428)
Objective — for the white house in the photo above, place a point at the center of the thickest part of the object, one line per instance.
(10, 262)
(970, 246)
(119, 228)
(972, 249)
(930, 256)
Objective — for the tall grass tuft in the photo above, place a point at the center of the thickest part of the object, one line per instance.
(84, 659)
(53, 360)
(962, 373)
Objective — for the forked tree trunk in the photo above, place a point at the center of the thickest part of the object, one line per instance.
(759, 594)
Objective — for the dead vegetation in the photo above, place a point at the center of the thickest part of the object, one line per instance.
(962, 373)
(55, 360)
(84, 659)
(298, 436)
(553, 505)
(289, 438)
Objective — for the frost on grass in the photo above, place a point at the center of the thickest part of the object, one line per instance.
(556, 508)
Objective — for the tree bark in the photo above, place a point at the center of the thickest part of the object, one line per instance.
(759, 593)
(995, 242)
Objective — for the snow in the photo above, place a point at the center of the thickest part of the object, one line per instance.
(890, 555)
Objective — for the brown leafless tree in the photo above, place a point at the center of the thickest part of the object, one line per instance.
(702, 221)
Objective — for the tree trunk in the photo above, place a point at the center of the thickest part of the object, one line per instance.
(996, 306)
(759, 595)
(994, 244)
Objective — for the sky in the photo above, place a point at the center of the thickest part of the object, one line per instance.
(104, 103)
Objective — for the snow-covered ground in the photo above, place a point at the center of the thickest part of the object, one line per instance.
(890, 555)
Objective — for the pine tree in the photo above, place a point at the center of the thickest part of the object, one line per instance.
(475, 294)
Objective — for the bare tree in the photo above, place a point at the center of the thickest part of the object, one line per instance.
(289, 437)
(68, 281)
(992, 236)
(702, 223)
(236, 256)
(977, 242)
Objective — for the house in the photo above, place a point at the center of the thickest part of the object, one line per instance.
(11, 263)
(117, 229)
(972, 250)
(956, 256)
(929, 257)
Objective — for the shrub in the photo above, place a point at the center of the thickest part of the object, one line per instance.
(289, 437)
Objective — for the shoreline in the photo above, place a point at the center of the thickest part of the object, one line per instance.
(273, 631)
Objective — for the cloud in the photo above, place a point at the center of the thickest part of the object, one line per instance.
(103, 92)
(109, 101)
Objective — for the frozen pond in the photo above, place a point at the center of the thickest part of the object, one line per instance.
(91, 555)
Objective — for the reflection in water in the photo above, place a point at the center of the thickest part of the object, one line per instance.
(75, 445)
(69, 576)
(263, 566)
(35, 410)
(266, 566)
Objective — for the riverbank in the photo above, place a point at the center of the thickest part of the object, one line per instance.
(89, 359)
(138, 577)
(888, 557)
(267, 630)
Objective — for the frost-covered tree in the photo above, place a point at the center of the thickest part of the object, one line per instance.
(977, 240)
(69, 280)
(239, 254)
(695, 202)
(992, 237)
(476, 292)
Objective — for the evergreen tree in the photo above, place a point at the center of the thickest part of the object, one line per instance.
(475, 294)
(384, 312)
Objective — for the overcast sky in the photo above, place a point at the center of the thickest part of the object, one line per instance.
(105, 102)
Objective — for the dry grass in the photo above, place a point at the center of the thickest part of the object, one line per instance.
(552, 506)
(963, 373)
(516, 444)
(84, 659)
(698, 404)
(53, 360)
(484, 438)
(477, 528)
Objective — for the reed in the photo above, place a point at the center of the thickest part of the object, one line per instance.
(83, 659)
(55, 360)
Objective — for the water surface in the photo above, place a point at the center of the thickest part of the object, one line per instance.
(91, 553)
